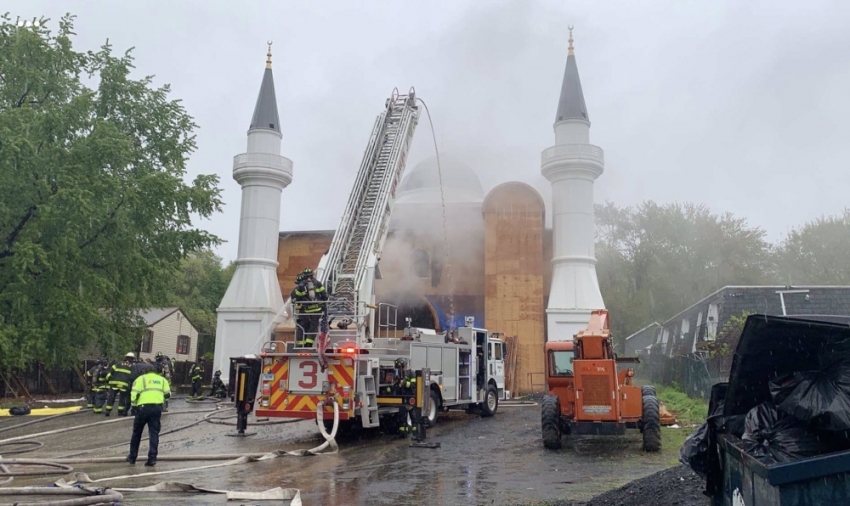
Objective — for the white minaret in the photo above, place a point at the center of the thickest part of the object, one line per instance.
(572, 165)
(246, 315)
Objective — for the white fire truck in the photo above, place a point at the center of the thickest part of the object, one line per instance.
(348, 375)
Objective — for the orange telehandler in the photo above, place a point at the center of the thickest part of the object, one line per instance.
(587, 395)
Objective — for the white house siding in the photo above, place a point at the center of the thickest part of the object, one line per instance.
(165, 334)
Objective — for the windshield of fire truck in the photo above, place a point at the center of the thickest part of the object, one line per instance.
(561, 363)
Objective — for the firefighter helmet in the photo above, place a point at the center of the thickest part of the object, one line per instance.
(159, 355)
(299, 278)
(307, 272)
(400, 363)
(218, 374)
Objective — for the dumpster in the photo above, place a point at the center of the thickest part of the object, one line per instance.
(773, 347)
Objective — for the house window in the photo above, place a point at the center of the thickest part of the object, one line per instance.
(147, 341)
(421, 264)
(182, 345)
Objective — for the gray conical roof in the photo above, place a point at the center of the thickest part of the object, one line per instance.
(265, 112)
(571, 105)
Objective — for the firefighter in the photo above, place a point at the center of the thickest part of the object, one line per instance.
(309, 299)
(118, 378)
(164, 366)
(407, 414)
(197, 373)
(91, 385)
(149, 393)
(100, 385)
(217, 389)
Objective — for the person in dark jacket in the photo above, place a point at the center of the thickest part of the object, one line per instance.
(91, 387)
(100, 386)
(118, 378)
(309, 298)
(196, 373)
(217, 389)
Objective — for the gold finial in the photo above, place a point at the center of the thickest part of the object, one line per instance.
(269, 56)
(571, 53)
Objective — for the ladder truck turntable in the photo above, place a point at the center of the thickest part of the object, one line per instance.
(347, 378)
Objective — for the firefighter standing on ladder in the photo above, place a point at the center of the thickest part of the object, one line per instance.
(308, 298)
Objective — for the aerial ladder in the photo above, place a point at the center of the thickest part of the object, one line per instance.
(348, 269)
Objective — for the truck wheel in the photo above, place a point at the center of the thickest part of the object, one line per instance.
(550, 418)
(491, 402)
(431, 415)
(647, 390)
(651, 424)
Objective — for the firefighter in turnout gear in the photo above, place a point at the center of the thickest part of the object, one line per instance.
(100, 385)
(408, 414)
(149, 393)
(165, 367)
(217, 389)
(308, 299)
(91, 384)
(118, 378)
(197, 373)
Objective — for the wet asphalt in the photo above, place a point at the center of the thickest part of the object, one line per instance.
(499, 460)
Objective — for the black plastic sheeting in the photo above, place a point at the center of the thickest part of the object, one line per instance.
(19, 410)
(772, 436)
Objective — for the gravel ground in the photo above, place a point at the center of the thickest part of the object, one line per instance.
(677, 486)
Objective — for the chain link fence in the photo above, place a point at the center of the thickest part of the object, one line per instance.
(693, 374)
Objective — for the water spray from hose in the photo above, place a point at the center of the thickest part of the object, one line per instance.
(451, 314)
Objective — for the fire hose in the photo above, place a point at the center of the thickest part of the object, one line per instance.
(60, 466)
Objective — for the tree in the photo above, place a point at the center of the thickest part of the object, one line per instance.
(198, 287)
(655, 260)
(818, 253)
(96, 216)
(721, 350)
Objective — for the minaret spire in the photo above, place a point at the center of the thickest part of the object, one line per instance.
(571, 102)
(269, 54)
(265, 111)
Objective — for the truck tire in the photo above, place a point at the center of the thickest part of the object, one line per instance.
(431, 415)
(647, 390)
(491, 402)
(651, 424)
(550, 420)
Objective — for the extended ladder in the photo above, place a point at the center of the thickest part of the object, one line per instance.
(363, 227)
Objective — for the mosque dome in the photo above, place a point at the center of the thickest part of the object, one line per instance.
(422, 184)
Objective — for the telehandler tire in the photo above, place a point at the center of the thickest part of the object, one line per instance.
(550, 420)
(651, 424)
(647, 390)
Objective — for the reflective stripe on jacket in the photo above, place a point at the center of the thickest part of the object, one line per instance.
(150, 388)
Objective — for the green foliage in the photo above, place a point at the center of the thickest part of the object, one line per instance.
(688, 411)
(96, 215)
(655, 260)
(722, 349)
(817, 253)
(198, 287)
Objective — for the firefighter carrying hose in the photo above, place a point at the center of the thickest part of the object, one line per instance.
(118, 378)
(308, 298)
(217, 389)
(197, 373)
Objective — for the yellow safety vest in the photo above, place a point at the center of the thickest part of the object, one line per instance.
(150, 388)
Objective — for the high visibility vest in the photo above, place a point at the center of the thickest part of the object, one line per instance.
(150, 388)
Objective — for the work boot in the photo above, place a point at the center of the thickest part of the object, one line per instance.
(131, 460)
(150, 463)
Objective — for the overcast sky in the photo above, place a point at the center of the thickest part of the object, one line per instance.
(741, 105)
